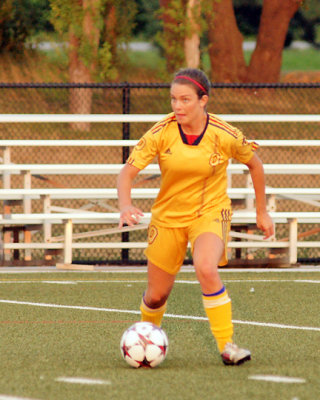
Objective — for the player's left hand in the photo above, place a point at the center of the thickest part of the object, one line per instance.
(265, 223)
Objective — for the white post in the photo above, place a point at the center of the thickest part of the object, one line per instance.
(293, 238)
(47, 227)
(271, 202)
(6, 174)
(68, 241)
(27, 210)
(6, 177)
(249, 199)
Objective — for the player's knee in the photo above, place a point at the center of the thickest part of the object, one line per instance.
(154, 298)
(207, 271)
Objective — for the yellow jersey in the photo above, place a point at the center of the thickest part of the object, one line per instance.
(193, 177)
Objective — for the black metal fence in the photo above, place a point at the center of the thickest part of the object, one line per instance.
(136, 98)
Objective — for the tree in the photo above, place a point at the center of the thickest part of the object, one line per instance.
(265, 63)
(80, 19)
(184, 22)
(225, 43)
(146, 24)
(171, 39)
(225, 49)
(192, 38)
(182, 28)
(20, 19)
(94, 30)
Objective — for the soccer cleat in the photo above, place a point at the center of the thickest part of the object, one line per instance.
(233, 355)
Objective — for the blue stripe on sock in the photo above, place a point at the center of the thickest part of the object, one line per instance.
(216, 293)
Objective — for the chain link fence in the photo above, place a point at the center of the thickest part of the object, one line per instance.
(131, 98)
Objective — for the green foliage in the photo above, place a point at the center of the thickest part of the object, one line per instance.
(65, 15)
(146, 24)
(171, 38)
(125, 11)
(176, 26)
(68, 17)
(19, 19)
(106, 68)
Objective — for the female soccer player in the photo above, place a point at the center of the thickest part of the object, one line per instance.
(193, 148)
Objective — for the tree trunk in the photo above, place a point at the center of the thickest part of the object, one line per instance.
(225, 44)
(81, 70)
(111, 36)
(265, 63)
(192, 40)
(111, 29)
(172, 42)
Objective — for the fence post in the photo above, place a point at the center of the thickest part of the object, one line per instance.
(125, 154)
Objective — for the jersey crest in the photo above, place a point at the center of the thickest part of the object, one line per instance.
(214, 159)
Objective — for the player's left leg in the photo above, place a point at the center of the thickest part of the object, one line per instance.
(208, 249)
(207, 252)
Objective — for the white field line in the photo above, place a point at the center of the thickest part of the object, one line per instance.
(190, 317)
(5, 397)
(190, 282)
(61, 282)
(277, 379)
(82, 381)
(257, 280)
(143, 270)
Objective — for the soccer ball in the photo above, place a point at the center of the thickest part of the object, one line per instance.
(144, 345)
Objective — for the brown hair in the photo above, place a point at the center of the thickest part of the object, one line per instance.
(194, 77)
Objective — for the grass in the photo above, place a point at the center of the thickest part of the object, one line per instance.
(41, 344)
(302, 60)
(152, 62)
(296, 60)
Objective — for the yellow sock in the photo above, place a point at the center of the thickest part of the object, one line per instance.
(218, 309)
(153, 315)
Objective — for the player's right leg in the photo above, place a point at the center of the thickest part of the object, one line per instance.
(165, 252)
(154, 300)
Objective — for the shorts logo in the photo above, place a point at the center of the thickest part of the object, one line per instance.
(215, 159)
(141, 144)
(152, 233)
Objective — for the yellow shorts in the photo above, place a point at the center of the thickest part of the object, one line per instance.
(167, 246)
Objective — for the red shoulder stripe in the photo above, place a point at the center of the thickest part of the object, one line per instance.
(223, 125)
(161, 124)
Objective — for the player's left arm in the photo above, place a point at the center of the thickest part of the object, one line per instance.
(264, 221)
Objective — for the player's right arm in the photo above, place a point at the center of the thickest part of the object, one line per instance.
(129, 214)
(142, 155)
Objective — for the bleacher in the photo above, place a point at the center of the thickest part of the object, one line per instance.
(242, 236)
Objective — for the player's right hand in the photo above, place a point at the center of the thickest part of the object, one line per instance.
(129, 215)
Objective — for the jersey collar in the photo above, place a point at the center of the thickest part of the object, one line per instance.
(199, 138)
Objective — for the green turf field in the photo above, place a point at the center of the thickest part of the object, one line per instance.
(43, 343)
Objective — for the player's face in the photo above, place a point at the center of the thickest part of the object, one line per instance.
(186, 104)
